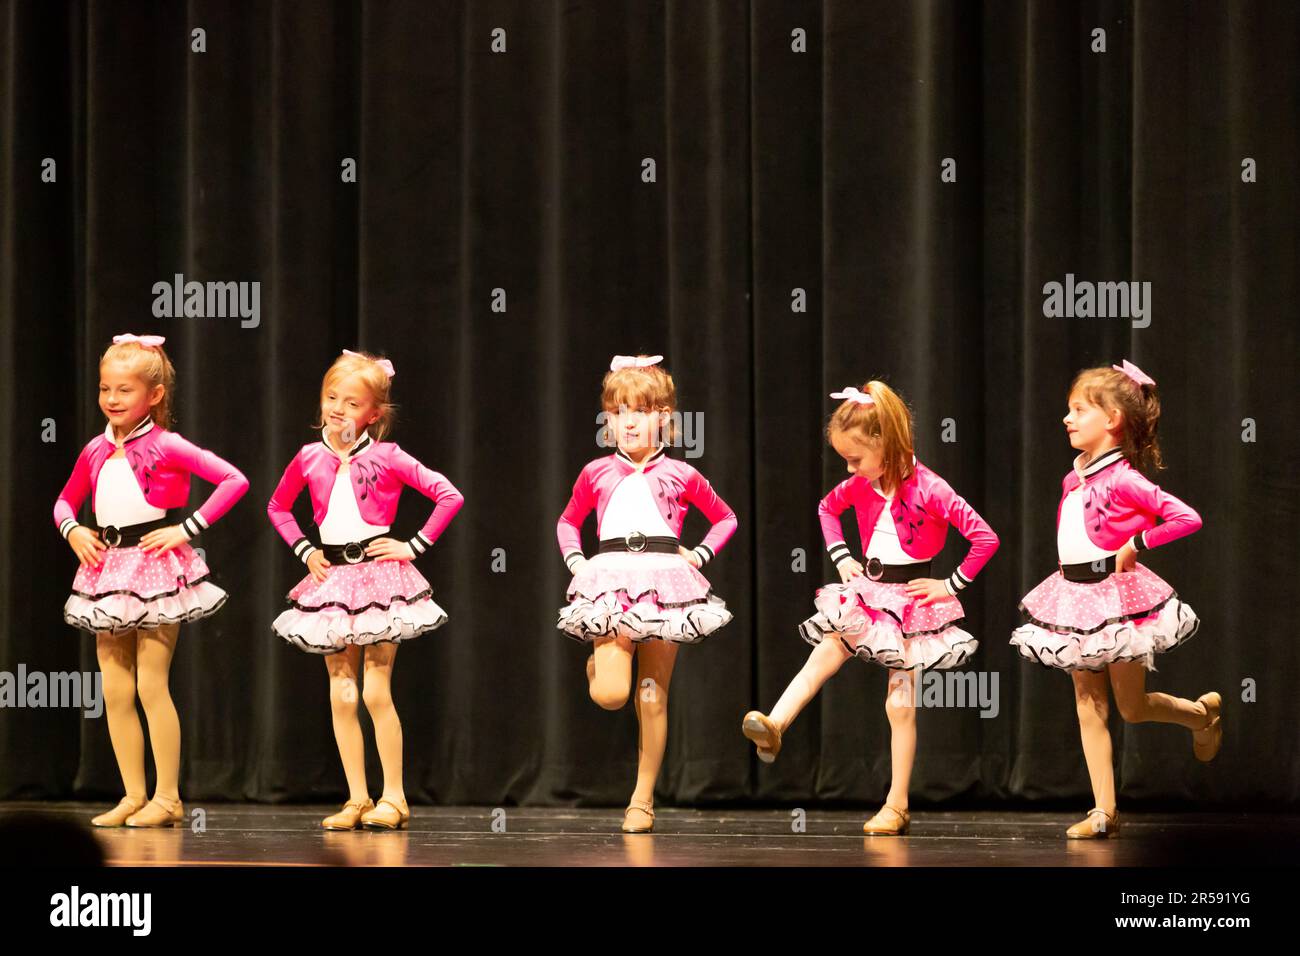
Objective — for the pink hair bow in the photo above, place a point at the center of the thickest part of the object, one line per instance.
(852, 394)
(145, 341)
(383, 363)
(631, 361)
(1135, 373)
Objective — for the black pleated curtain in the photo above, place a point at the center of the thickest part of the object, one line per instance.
(798, 236)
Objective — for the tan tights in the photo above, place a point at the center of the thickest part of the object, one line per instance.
(827, 658)
(1135, 704)
(378, 698)
(138, 662)
(610, 685)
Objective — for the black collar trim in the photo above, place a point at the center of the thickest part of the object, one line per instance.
(142, 428)
(1102, 462)
(650, 459)
(365, 442)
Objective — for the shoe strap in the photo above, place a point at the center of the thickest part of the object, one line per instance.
(164, 804)
(643, 807)
(400, 811)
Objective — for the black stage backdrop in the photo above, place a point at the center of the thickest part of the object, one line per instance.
(775, 171)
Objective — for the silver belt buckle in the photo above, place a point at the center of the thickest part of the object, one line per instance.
(635, 541)
(875, 569)
(353, 553)
(111, 535)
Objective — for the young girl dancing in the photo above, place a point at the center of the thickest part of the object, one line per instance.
(1101, 611)
(361, 590)
(139, 578)
(892, 611)
(643, 588)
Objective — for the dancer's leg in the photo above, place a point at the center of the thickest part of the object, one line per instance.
(116, 655)
(154, 651)
(342, 667)
(901, 710)
(611, 673)
(378, 695)
(826, 658)
(1137, 705)
(1092, 703)
(654, 669)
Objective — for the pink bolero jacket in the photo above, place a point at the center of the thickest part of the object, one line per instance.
(162, 462)
(676, 486)
(1121, 505)
(379, 470)
(923, 507)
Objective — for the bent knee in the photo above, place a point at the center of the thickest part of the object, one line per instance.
(1133, 711)
(610, 697)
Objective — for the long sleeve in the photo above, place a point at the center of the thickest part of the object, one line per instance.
(983, 539)
(701, 494)
(568, 530)
(280, 509)
(830, 508)
(447, 500)
(229, 480)
(1178, 519)
(73, 494)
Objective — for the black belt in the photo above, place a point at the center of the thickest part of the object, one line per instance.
(877, 570)
(1089, 572)
(128, 536)
(638, 542)
(354, 552)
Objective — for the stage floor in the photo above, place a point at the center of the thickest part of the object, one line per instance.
(263, 835)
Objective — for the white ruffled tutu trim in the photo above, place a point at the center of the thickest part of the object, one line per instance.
(869, 618)
(882, 642)
(614, 613)
(331, 629)
(1134, 640)
(117, 613)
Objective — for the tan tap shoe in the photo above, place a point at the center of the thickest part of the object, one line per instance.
(888, 821)
(759, 728)
(348, 817)
(638, 818)
(117, 816)
(1207, 740)
(1097, 825)
(386, 816)
(157, 813)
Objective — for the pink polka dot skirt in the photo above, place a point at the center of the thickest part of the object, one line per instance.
(643, 597)
(1129, 616)
(134, 589)
(883, 624)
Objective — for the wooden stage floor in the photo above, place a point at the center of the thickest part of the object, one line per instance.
(265, 835)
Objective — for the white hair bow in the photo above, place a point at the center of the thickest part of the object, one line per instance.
(145, 341)
(632, 361)
(853, 395)
(383, 363)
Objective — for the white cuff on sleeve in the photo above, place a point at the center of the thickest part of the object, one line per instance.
(193, 525)
(303, 549)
